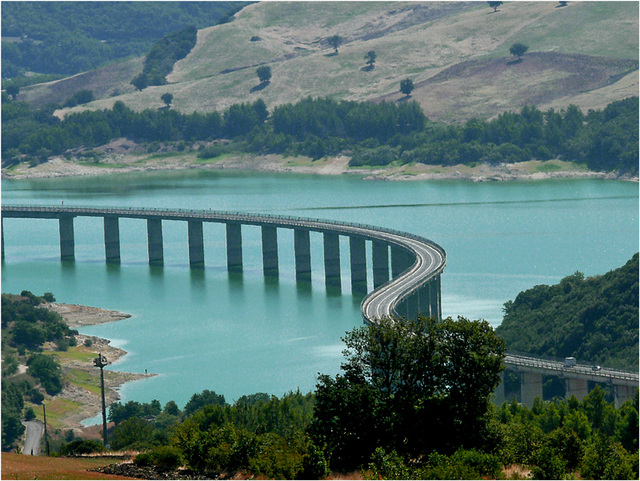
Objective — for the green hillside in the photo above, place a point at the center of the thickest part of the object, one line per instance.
(456, 54)
(593, 319)
(72, 37)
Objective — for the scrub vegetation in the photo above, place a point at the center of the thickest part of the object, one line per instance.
(413, 401)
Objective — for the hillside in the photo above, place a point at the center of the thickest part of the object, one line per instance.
(593, 319)
(71, 37)
(456, 54)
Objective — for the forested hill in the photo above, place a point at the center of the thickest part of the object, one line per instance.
(70, 37)
(593, 319)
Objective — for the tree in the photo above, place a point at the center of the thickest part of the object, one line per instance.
(48, 371)
(167, 99)
(203, 399)
(404, 381)
(494, 5)
(406, 86)
(370, 57)
(335, 41)
(518, 49)
(13, 90)
(264, 73)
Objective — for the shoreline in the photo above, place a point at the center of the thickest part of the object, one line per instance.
(125, 164)
(89, 402)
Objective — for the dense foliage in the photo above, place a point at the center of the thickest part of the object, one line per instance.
(371, 134)
(159, 61)
(71, 37)
(410, 387)
(412, 404)
(25, 329)
(593, 319)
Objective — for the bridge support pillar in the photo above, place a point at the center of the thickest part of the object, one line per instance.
(530, 387)
(435, 304)
(358, 256)
(112, 240)
(234, 247)
(67, 240)
(196, 243)
(400, 260)
(2, 234)
(499, 394)
(270, 250)
(413, 304)
(302, 248)
(622, 393)
(332, 278)
(424, 300)
(576, 387)
(380, 254)
(154, 236)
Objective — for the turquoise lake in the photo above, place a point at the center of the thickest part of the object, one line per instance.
(239, 334)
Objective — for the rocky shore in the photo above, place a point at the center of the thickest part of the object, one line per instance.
(88, 401)
(118, 162)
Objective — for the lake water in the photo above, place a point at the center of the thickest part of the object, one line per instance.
(237, 334)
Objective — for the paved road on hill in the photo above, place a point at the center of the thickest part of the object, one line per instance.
(33, 437)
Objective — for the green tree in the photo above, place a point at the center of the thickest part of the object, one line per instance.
(203, 399)
(405, 380)
(335, 41)
(370, 57)
(134, 432)
(518, 50)
(167, 99)
(47, 370)
(494, 5)
(13, 90)
(264, 73)
(406, 86)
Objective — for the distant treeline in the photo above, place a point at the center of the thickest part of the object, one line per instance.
(71, 37)
(371, 134)
(594, 319)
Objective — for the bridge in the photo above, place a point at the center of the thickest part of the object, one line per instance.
(576, 378)
(406, 271)
(406, 268)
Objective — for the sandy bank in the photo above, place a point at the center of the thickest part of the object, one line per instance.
(119, 163)
(88, 401)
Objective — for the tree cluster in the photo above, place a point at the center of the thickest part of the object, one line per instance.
(410, 387)
(159, 61)
(25, 328)
(593, 319)
(371, 134)
(72, 37)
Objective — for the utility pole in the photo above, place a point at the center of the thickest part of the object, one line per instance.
(101, 362)
(46, 438)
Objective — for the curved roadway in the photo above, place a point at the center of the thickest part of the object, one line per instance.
(430, 258)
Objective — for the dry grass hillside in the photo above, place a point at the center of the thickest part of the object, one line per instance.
(456, 53)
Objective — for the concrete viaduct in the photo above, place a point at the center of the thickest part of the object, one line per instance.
(406, 268)
(406, 271)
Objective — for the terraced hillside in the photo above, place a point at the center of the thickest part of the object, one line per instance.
(456, 54)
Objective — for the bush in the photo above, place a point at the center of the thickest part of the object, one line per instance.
(81, 446)
(166, 457)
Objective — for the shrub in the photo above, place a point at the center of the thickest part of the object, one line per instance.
(166, 457)
(81, 446)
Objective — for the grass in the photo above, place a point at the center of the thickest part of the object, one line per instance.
(593, 28)
(57, 410)
(18, 466)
